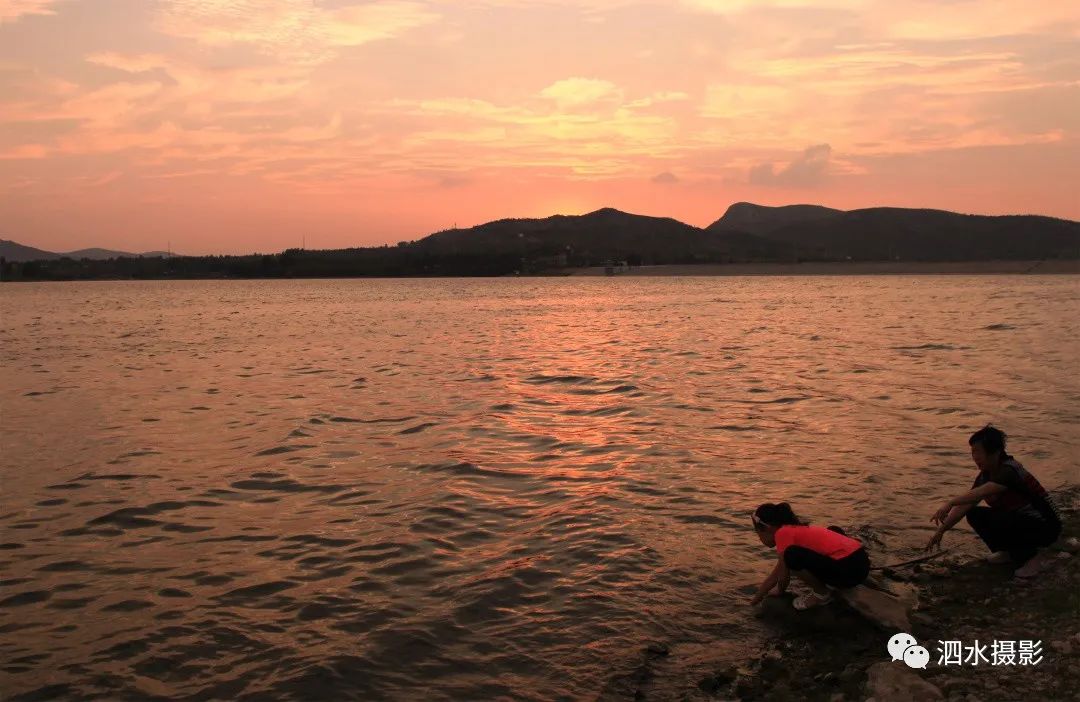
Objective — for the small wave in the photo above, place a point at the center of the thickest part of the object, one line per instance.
(542, 379)
(314, 540)
(137, 517)
(485, 378)
(287, 448)
(926, 347)
(66, 486)
(703, 519)
(25, 598)
(127, 606)
(65, 567)
(173, 593)
(380, 420)
(609, 391)
(468, 469)
(283, 486)
(71, 602)
(418, 428)
(117, 476)
(779, 400)
(254, 592)
(694, 408)
(348, 497)
(598, 412)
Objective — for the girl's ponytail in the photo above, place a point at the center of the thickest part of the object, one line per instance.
(777, 515)
(786, 515)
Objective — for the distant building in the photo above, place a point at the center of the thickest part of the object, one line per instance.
(615, 267)
(559, 260)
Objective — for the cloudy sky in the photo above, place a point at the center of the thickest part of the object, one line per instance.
(247, 125)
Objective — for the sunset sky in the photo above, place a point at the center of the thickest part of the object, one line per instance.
(232, 126)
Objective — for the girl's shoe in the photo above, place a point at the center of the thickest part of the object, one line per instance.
(998, 558)
(811, 599)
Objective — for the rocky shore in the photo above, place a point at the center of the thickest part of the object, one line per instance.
(1052, 267)
(836, 654)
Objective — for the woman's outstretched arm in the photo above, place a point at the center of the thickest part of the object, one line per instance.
(968, 499)
(954, 515)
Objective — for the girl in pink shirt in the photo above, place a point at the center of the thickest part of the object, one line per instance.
(820, 557)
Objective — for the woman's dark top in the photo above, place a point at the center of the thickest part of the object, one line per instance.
(1024, 495)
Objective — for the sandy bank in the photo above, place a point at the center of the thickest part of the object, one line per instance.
(846, 268)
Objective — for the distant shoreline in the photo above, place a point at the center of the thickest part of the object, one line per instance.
(812, 268)
(1051, 267)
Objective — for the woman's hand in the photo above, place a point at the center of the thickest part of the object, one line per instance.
(935, 541)
(942, 513)
(757, 598)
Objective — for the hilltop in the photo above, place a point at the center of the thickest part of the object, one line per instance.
(762, 219)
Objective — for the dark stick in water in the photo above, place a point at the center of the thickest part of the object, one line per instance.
(913, 561)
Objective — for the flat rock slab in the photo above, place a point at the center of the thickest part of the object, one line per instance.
(895, 682)
(890, 612)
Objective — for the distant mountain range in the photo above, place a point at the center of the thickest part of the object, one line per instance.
(13, 251)
(746, 233)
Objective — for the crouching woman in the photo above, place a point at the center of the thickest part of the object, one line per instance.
(822, 558)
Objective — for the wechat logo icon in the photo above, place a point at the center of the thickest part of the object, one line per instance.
(904, 647)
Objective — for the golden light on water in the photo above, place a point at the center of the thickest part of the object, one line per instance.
(366, 488)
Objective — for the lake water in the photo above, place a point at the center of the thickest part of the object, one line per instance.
(405, 489)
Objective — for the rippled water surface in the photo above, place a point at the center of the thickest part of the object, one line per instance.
(475, 488)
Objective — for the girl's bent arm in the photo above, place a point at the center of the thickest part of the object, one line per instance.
(778, 574)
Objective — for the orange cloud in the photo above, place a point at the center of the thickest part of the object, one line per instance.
(576, 92)
(300, 30)
(12, 10)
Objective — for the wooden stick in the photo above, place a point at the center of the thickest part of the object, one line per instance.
(913, 561)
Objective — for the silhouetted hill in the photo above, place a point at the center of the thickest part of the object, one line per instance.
(104, 254)
(13, 251)
(760, 219)
(597, 236)
(931, 235)
(888, 233)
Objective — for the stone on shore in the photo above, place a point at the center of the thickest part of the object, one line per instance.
(890, 612)
(894, 682)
